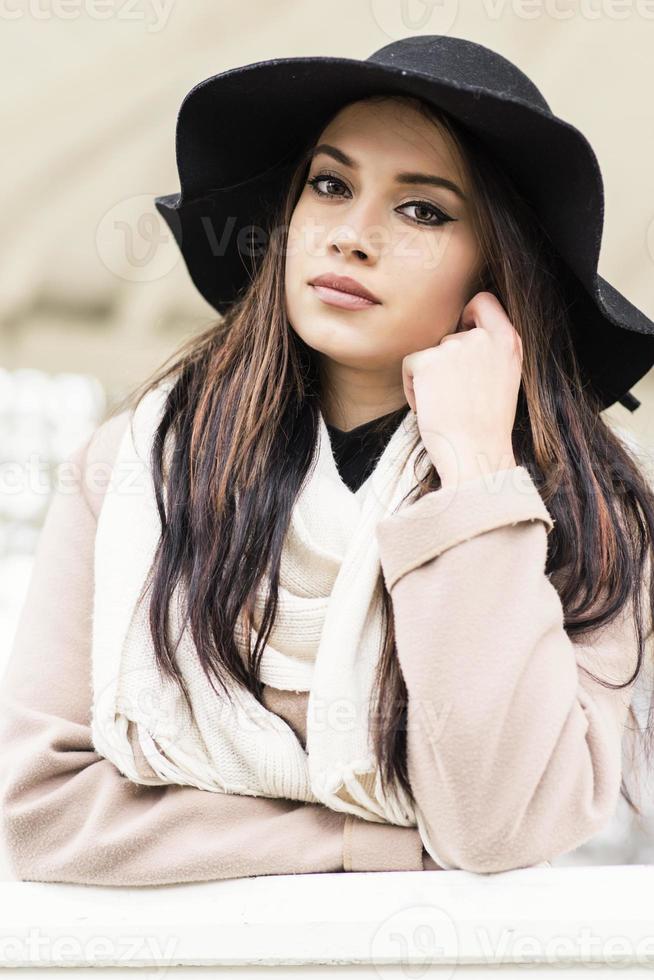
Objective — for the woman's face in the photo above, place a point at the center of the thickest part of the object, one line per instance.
(410, 242)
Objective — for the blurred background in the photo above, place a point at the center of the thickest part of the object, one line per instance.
(94, 294)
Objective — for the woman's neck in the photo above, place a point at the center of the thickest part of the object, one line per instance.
(348, 417)
(366, 422)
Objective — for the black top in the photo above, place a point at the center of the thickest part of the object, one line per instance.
(357, 450)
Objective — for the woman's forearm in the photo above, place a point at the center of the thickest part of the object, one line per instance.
(514, 754)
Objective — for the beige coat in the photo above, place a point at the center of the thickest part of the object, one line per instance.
(514, 753)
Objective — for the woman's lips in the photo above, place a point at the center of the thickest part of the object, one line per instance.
(336, 297)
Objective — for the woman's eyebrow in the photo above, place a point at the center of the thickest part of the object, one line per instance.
(404, 177)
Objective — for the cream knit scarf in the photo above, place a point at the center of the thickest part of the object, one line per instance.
(326, 640)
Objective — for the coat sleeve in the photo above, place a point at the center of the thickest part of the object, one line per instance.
(513, 751)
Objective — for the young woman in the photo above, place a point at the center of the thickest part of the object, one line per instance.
(360, 580)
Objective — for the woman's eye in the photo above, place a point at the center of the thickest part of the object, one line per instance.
(318, 179)
(439, 217)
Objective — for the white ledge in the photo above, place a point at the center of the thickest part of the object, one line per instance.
(445, 920)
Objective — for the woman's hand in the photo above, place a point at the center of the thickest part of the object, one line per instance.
(465, 390)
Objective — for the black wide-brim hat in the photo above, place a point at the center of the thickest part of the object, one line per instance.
(239, 134)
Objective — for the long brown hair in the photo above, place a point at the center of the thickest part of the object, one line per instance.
(242, 413)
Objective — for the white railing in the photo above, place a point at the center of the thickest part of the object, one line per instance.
(381, 924)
